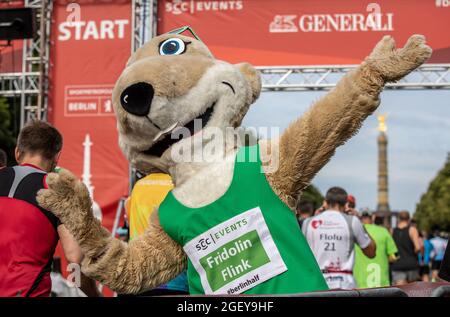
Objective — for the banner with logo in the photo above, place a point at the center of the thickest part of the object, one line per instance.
(11, 55)
(91, 42)
(235, 255)
(307, 32)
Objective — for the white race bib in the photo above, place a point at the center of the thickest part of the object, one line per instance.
(236, 255)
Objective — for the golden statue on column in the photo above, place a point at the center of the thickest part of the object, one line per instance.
(383, 198)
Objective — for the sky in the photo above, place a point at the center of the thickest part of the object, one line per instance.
(418, 134)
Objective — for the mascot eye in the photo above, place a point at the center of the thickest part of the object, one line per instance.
(173, 46)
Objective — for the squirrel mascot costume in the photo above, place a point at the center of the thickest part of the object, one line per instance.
(229, 218)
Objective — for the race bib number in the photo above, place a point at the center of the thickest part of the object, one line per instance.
(236, 255)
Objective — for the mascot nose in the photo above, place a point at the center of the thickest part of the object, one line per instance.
(137, 98)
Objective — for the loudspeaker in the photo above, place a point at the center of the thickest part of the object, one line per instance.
(17, 23)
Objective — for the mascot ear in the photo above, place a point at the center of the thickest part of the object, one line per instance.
(253, 78)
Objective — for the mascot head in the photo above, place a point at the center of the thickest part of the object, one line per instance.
(169, 83)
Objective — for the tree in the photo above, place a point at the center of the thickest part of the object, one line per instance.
(312, 194)
(7, 139)
(433, 210)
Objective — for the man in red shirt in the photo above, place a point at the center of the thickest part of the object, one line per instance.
(30, 233)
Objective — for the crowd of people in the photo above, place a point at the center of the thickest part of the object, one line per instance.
(356, 250)
(352, 249)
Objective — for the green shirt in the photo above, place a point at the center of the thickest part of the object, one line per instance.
(247, 241)
(374, 272)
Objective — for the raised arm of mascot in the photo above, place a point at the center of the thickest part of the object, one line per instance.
(310, 141)
(304, 148)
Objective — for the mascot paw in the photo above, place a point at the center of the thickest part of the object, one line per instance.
(66, 197)
(393, 63)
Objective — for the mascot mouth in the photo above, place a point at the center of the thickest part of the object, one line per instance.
(167, 141)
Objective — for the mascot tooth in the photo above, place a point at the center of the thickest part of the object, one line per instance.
(230, 224)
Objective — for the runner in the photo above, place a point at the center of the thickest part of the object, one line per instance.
(375, 272)
(439, 245)
(332, 235)
(444, 272)
(304, 210)
(425, 256)
(147, 195)
(350, 207)
(30, 233)
(406, 237)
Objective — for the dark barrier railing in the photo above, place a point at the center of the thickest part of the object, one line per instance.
(423, 289)
(441, 291)
(382, 292)
(374, 292)
(418, 289)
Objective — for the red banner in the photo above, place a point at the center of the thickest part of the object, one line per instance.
(11, 56)
(307, 32)
(91, 42)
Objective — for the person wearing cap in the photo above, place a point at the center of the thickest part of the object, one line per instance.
(374, 272)
(351, 205)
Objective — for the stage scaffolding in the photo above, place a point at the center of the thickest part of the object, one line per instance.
(304, 78)
(31, 85)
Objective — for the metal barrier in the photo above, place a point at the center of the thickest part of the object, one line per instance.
(382, 292)
(424, 289)
(441, 291)
(374, 292)
(417, 289)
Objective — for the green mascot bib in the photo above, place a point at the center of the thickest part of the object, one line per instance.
(247, 241)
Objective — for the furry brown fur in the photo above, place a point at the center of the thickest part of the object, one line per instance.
(144, 263)
(305, 147)
(309, 142)
(184, 85)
